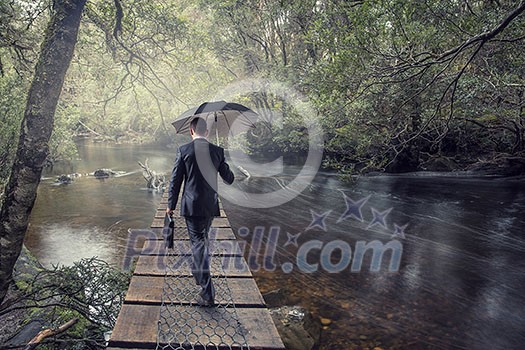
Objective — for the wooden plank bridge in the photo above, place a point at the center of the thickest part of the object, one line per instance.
(159, 311)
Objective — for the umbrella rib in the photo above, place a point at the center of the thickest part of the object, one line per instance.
(187, 121)
(207, 108)
(227, 122)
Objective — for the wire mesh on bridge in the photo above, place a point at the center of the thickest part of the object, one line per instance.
(185, 325)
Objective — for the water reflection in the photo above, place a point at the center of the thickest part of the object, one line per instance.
(461, 278)
(91, 217)
(461, 267)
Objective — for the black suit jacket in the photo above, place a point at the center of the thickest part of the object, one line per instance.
(197, 165)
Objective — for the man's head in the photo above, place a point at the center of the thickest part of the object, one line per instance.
(198, 128)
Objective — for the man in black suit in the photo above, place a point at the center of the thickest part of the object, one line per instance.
(198, 163)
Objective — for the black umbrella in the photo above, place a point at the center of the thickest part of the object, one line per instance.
(222, 117)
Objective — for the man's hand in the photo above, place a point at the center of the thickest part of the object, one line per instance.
(169, 211)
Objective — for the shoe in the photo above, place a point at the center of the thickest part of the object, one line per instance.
(202, 302)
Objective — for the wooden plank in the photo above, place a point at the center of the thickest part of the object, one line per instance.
(181, 233)
(148, 290)
(161, 212)
(164, 203)
(181, 265)
(261, 329)
(137, 326)
(183, 247)
(179, 222)
(137, 237)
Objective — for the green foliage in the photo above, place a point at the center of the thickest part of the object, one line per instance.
(380, 74)
(90, 290)
(20, 35)
(130, 87)
(377, 72)
(93, 288)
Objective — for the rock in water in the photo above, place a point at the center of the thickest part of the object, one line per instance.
(64, 179)
(298, 329)
(103, 173)
(275, 298)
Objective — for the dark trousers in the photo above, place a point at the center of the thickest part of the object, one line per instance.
(198, 227)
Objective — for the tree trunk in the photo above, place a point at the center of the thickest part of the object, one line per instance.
(37, 126)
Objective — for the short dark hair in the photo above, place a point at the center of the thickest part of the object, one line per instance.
(199, 126)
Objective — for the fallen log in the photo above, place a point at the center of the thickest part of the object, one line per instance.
(154, 180)
(46, 333)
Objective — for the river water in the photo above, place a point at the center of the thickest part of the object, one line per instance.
(461, 276)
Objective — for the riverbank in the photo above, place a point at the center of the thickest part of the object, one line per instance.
(501, 165)
(26, 268)
(83, 299)
(489, 165)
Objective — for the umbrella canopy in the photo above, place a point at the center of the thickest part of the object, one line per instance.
(221, 117)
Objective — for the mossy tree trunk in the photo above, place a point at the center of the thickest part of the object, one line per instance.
(37, 126)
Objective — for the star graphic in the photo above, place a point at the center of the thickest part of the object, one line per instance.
(379, 217)
(353, 208)
(318, 220)
(399, 231)
(292, 239)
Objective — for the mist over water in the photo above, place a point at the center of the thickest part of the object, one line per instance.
(461, 277)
